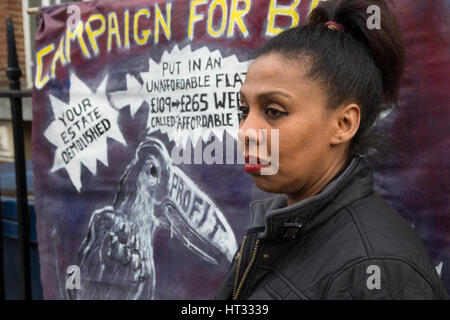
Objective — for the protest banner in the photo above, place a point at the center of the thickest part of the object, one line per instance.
(123, 88)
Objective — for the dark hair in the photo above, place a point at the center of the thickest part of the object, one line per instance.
(357, 64)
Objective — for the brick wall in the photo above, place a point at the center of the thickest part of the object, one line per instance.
(13, 9)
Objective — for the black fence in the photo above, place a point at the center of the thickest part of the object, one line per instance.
(15, 95)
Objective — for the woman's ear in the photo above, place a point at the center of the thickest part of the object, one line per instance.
(345, 121)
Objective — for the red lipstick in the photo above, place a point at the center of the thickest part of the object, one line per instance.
(254, 165)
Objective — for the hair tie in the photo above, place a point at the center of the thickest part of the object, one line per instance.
(334, 25)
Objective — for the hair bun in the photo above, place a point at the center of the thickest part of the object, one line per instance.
(385, 43)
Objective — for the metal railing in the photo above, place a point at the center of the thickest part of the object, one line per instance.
(15, 96)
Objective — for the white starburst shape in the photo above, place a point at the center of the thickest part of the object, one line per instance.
(183, 99)
(81, 128)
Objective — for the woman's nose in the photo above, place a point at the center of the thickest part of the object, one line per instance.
(248, 132)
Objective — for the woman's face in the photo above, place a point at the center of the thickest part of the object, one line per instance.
(276, 96)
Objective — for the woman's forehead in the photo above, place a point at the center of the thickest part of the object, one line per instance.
(273, 64)
(274, 71)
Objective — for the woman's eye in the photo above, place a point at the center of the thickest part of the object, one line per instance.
(244, 111)
(274, 113)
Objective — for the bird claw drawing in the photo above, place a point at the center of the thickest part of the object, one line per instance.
(112, 247)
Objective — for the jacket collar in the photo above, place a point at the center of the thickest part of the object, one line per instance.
(281, 222)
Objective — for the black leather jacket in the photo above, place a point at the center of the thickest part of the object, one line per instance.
(345, 242)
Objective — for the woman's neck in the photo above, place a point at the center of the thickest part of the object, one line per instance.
(331, 172)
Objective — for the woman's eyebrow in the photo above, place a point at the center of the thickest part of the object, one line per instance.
(266, 95)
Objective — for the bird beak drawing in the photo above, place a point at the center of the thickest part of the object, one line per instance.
(196, 220)
(190, 214)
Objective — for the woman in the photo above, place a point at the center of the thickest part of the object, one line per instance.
(327, 235)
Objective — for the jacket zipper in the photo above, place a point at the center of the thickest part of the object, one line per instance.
(239, 256)
(237, 289)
